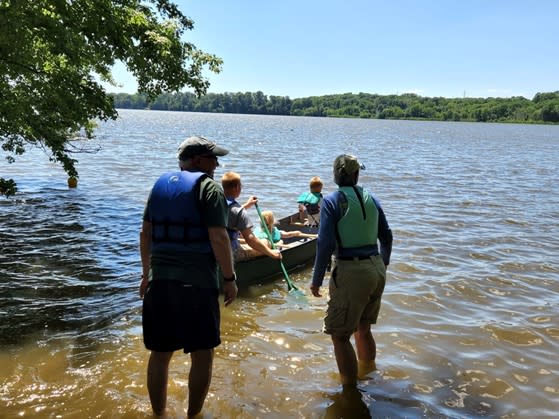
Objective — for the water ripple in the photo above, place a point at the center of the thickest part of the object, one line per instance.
(467, 326)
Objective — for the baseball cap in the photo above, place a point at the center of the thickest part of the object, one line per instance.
(194, 146)
(346, 164)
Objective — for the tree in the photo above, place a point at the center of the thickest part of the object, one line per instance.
(54, 54)
(550, 113)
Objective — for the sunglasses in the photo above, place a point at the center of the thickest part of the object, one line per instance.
(210, 156)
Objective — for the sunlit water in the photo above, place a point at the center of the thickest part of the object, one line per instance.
(468, 326)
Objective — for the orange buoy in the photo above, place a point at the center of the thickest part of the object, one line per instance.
(72, 182)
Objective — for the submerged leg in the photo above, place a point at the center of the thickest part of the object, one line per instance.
(346, 360)
(158, 372)
(199, 380)
(365, 343)
(366, 348)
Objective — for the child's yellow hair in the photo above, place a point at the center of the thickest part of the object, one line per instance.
(268, 217)
(230, 180)
(315, 184)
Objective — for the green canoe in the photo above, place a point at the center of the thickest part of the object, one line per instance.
(265, 269)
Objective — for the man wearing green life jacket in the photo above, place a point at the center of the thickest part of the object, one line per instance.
(352, 224)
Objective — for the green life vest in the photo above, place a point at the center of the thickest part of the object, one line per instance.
(358, 226)
(309, 198)
(261, 234)
(311, 201)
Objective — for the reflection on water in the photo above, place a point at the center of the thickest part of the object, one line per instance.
(468, 323)
(60, 268)
(348, 403)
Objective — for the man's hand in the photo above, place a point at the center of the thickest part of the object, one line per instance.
(250, 202)
(143, 286)
(229, 291)
(316, 291)
(276, 254)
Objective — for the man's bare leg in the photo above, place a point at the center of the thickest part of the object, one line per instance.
(366, 348)
(199, 380)
(346, 360)
(158, 372)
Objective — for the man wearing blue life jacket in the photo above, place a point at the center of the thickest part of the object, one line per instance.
(183, 239)
(352, 224)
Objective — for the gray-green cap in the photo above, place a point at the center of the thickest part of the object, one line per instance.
(195, 146)
(346, 164)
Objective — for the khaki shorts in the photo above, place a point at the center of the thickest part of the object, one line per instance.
(356, 288)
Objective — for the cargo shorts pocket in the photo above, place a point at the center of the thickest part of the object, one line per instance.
(334, 275)
(380, 268)
(336, 318)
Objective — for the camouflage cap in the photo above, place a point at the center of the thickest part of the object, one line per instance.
(195, 146)
(346, 164)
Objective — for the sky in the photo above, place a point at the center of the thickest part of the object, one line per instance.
(448, 48)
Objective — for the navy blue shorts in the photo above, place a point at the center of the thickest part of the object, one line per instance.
(179, 316)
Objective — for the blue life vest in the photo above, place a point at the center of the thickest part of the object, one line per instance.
(234, 234)
(174, 213)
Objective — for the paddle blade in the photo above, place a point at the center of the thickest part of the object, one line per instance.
(297, 293)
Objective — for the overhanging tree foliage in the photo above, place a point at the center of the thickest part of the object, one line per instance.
(51, 50)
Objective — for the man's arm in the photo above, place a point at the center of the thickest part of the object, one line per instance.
(145, 246)
(250, 202)
(325, 245)
(257, 245)
(385, 237)
(215, 213)
(221, 246)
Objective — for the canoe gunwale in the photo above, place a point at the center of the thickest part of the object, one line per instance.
(263, 269)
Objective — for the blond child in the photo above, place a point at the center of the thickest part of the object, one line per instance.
(309, 203)
(277, 234)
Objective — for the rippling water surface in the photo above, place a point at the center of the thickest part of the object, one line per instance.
(468, 326)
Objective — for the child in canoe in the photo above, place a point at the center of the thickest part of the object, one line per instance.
(277, 234)
(309, 203)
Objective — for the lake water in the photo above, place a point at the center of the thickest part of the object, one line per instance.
(469, 322)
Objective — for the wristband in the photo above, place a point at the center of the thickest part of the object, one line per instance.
(232, 279)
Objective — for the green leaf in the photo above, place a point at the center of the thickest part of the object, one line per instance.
(50, 51)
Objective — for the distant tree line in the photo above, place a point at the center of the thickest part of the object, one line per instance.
(543, 108)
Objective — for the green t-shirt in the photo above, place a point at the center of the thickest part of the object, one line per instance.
(198, 269)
